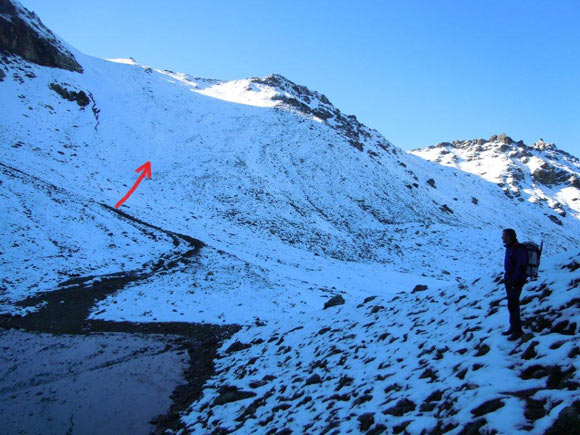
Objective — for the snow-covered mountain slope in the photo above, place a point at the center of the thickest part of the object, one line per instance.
(428, 361)
(291, 197)
(540, 173)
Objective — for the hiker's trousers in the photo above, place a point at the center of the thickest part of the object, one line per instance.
(513, 292)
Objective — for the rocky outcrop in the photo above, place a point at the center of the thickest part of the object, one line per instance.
(23, 34)
(522, 172)
(317, 105)
(79, 97)
(550, 175)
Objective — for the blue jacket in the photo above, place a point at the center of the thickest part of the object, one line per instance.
(515, 263)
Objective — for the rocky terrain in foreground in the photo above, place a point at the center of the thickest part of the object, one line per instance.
(427, 361)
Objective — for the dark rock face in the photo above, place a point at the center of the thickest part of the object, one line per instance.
(23, 34)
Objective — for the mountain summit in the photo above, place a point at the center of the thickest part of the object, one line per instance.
(539, 173)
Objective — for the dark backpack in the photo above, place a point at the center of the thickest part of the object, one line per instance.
(534, 254)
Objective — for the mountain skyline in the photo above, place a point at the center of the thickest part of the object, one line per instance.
(417, 72)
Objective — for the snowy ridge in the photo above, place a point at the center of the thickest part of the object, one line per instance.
(429, 361)
(540, 173)
(276, 90)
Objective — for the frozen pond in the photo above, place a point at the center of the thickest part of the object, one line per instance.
(100, 383)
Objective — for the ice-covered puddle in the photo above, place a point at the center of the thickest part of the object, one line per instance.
(100, 383)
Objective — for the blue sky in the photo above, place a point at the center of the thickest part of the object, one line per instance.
(420, 72)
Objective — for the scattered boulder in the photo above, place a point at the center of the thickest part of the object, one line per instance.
(419, 288)
(362, 399)
(230, 393)
(535, 371)
(251, 409)
(530, 351)
(557, 378)
(334, 301)
(446, 209)
(237, 346)
(368, 299)
(487, 407)
(344, 381)
(534, 409)
(377, 429)
(442, 428)
(79, 97)
(314, 379)
(472, 428)
(366, 420)
(435, 396)
(482, 350)
(402, 407)
(429, 373)
(401, 427)
(564, 327)
(568, 421)
(555, 219)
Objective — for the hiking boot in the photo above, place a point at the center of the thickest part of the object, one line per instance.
(515, 336)
(507, 332)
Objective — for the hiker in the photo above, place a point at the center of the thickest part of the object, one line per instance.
(515, 265)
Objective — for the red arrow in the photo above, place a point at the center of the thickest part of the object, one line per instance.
(146, 168)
